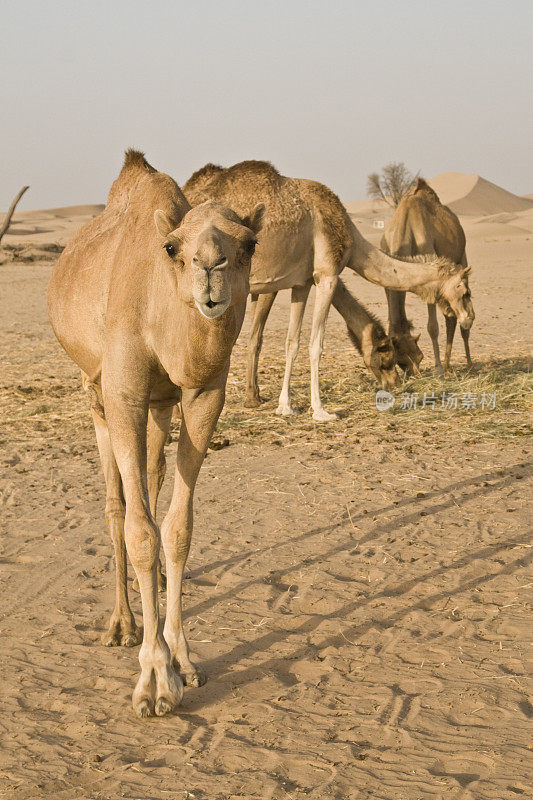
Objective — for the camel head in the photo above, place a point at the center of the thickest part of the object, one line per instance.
(455, 299)
(210, 253)
(378, 354)
(408, 353)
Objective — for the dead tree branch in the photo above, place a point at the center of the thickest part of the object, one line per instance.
(7, 221)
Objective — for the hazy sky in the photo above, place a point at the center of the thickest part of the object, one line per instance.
(325, 90)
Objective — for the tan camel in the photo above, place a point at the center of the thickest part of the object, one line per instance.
(148, 300)
(308, 235)
(364, 329)
(421, 225)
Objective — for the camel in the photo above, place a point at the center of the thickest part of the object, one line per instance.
(307, 235)
(148, 299)
(421, 225)
(364, 329)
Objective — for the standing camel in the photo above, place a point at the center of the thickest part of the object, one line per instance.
(307, 235)
(364, 329)
(421, 225)
(148, 299)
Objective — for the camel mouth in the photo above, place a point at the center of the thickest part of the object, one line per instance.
(212, 309)
(390, 381)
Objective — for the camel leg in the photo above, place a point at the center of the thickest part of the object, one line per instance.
(299, 295)
(126, 390)
(433, 330)
(261, 305)
(159, 420)
(200, 409)
(397, 316)
(466, 341)
(466, 334)
(325, 290)
(122, 628)
(451, 324)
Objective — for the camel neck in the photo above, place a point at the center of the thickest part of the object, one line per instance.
(391, 273)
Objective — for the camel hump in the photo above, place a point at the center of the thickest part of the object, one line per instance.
(423, 186)
(205, 172)
(253, 168)
(135, 167)
(134, 158)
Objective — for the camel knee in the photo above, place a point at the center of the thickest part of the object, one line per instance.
(176, 535)
(142, 542)
(315, 350)
(177, 548)
(433, 329)
(292, 345)
(256, 342)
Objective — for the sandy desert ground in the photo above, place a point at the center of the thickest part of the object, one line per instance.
(359, 593)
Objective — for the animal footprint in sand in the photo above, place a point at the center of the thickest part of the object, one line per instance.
(402, 708)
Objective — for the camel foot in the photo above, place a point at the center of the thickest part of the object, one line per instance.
(285, 410)
(321, 415)
(189, 672)
(144, 709)
(439, 371)
(159, 689)
(147, 706)
(193, 676)
(252, 402)
(122, 633)
(161, 582)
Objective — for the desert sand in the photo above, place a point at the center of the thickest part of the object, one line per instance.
(359, 593)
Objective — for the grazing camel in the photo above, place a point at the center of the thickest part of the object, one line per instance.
(308, 235)
(364, 329)
(148, 299)
(421, 225)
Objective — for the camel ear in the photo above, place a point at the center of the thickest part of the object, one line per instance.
(254, 221)
(416, 338)
(162, 223)
(465, 272)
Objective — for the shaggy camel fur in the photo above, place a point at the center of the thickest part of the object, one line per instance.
(148, 300)
(308, 235)
(421, 225)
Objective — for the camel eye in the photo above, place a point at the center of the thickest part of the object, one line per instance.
(171, 250)
(249, 247)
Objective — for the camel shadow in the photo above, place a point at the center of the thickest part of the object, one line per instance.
(221, 666)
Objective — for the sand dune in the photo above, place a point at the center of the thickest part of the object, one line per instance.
(472, 195)
(521, 221)
(49, 225)
(467, 195)
(64, 211)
